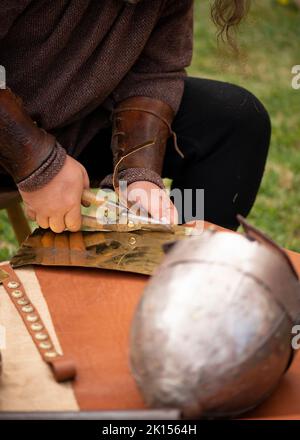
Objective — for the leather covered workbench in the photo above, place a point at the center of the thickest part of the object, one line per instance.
(88, 314)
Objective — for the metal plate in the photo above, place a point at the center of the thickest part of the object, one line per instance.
(136, 251)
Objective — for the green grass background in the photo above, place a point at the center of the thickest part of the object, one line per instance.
(269, 46)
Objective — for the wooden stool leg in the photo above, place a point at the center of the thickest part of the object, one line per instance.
(18, 220)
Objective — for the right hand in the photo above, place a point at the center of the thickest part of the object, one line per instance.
(58, 204)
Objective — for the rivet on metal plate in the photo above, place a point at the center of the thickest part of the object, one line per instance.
(132, 241)
(27, 309)
(13, 284)
(41, 336)
(17, 293)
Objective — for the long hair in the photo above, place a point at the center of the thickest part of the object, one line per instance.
(227, 15)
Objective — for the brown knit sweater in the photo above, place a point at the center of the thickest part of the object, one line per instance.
(72, 60)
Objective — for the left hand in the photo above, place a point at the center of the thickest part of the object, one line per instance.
(154, 200)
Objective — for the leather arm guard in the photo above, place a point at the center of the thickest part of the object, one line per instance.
(141, 127)
(28, 153)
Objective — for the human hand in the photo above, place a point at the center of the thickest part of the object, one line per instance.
(154, 200)
(58, 204)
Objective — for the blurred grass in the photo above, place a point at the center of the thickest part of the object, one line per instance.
(269, 43)
(7, 239)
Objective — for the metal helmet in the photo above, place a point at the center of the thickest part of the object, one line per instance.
(212, 332)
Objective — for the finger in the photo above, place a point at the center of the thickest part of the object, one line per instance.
(170, 215)
(162, 208)
(156, 207)
(42, 221)
(30, 213)
(169, 212)
(140, 197)
(148, 199)
(57, 224)
(86, 185)
(85, 204)
(86, 180)
(73, 219)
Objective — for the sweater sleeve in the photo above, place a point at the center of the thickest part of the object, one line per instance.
(10, 10)
(160, 70)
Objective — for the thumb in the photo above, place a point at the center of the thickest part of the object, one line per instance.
(86, 185)
(86, 180)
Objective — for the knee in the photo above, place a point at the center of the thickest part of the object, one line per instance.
(251, 116)
(223, 104)
(212, 111)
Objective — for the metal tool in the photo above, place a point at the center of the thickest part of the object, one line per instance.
(126, 221)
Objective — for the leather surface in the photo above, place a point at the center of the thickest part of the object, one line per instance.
(27, 382)
(138, 120)
(24, 147)
(63, 368)
(92, 313)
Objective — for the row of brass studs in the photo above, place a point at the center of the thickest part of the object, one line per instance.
(31, 317)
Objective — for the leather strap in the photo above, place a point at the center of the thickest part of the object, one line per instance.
(25, 147)
(157, 115)
(63, 368)
(134, 150)
(141, 127)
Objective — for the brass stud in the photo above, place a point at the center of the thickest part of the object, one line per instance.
(23, 302)
(50, 354)
(32, 318)
(41, 336)
(17, 293)
(13, 284)
(45, 345)
(130, 224)
(36, 327)
(27, 309)
(132, 241)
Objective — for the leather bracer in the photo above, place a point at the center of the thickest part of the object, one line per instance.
(29, 154)
(141, 127)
